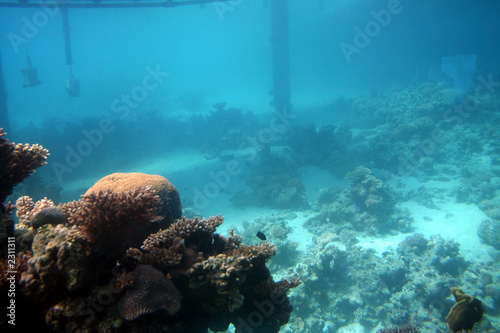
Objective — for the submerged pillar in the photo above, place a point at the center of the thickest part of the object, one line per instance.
(280, 51)
(4, 113)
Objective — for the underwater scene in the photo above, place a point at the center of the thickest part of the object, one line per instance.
(250, 166)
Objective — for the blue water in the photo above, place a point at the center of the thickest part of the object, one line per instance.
(151, 80)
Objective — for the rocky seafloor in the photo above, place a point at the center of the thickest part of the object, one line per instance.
(375, 260)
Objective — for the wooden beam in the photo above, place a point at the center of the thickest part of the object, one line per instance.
(105, 4)
(280, 50)
(4, 112)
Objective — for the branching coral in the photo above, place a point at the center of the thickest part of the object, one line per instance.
(169, 205)
(17, 162)
(114, 221)
(183, 228)
(27, 209)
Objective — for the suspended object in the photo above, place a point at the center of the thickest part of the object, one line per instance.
(72, 84)
(30, 76)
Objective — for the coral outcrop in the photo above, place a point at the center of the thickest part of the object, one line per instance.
(102, 264)
(169, 206)
(345, 283)
(17, 162)
(368, 205)
(126, 215)
(149, 292)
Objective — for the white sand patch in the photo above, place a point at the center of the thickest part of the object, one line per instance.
(315, 179)
(352, 328)
(299, 234)
(452, 220)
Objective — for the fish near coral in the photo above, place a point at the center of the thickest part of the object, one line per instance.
(465, 313)
(261, 235)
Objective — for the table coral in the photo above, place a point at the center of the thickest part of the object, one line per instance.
(17, 162)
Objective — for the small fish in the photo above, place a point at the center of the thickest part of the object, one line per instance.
(261, 235)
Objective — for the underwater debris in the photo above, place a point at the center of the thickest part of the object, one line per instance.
(465, 313)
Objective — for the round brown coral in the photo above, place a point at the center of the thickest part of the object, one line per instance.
(169, 207)
(151, 291)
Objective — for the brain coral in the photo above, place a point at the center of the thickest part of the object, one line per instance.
(169, 207)
(151, 291)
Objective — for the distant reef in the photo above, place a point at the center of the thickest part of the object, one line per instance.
(123, 259)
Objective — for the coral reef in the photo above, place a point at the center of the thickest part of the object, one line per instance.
(80, 266)
(17, 162)
(274, 182)
(150, 291)
(169, 205)
(403, 329)
(368, 205)
(127, 215)
(344, 283)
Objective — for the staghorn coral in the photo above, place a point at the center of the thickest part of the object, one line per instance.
(24, 207)
(124, 215)
(27, 209)
(17, 162)
(150, 292)
(183, 228)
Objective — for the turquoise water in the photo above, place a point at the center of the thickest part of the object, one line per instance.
(378, 179)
